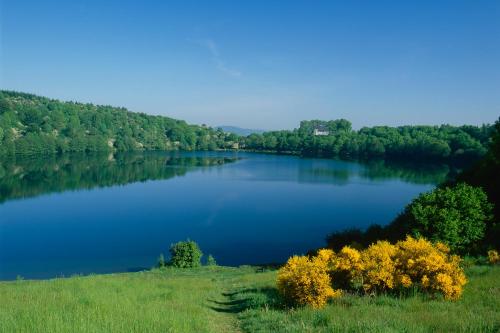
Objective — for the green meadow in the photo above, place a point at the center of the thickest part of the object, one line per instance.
(226, 299)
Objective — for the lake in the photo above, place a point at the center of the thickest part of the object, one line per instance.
(78, 214)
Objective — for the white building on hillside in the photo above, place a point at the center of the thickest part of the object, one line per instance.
(321, 130)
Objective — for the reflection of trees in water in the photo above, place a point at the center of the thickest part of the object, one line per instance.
(325, 175)
(28, 177)
(412, 172)
(417, 173)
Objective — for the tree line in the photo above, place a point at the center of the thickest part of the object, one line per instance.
(338, 139)
(31, 124)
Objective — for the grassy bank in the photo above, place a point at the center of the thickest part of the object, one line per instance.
(225, 299)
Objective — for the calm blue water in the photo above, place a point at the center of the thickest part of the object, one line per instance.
(69, 215)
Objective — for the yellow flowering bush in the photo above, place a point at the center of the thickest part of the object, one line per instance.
(493, 257)
(346, 268)
(305, 281)
(348, 259)
(326, 256)
(430, 267)
(379, 267)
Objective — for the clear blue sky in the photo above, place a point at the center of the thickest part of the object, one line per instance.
(261, 64)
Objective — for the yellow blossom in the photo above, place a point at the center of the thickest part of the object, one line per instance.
(493, 257)
(305, 281)
(378, 266)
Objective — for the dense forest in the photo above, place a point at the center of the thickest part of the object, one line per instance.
(31, 125)
(337, 139)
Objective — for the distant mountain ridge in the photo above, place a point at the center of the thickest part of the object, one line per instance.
(240, 131)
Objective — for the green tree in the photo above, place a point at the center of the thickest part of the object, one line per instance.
(270, 141)
(211, 261)
(5, 105)
(456, 215)
(185, 254)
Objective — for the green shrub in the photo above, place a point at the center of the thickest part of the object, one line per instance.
(455, 215)
(161, 261)
(185, 254)
(211, 261)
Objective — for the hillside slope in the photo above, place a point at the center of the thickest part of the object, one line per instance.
(31, 124)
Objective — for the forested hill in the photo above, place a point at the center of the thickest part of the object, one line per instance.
(32, 124)
(337, 138)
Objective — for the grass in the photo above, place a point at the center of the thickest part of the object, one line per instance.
(225, 299)
(477, 311)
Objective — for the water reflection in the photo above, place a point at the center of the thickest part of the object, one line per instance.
(412, 172)
(338, 172)
(29, 177)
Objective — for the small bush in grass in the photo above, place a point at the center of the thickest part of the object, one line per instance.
(161, 261)
(305, 281)
(211, 261)
(493, 257)
(185, 254)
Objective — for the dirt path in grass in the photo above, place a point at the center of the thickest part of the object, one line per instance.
(224, 308)
(225, 314)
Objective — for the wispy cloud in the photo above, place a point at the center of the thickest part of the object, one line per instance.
(211, 46)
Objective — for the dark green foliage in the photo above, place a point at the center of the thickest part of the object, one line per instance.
(486, 174)
(445, 142)
(348, 237)
(31, 125)
(211, 261)
(359, 239)
(456, 215)
(185, 254)
(459, 216)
